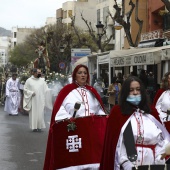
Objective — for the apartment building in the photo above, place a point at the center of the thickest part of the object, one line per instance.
(75, 8)
(50, 21)
(19, 35)
(4, 50)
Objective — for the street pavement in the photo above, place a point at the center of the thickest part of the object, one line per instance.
(20, 148)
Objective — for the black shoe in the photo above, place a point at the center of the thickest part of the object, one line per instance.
(35, 130)
(39, 130)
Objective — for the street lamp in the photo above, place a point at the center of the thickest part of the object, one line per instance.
(99, 27)
(117, 26)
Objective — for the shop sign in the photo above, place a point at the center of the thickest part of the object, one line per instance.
(103, 59)
(141, 59)
(118, 61)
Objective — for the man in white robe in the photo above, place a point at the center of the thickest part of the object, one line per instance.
(12, 95)
(35, 90)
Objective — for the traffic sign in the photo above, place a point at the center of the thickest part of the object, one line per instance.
(62, 65)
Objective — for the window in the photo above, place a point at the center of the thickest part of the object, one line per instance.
(15, 35)
(105, 13)
(98, 15)
(70, 13)
(65, 14)
(166, 21)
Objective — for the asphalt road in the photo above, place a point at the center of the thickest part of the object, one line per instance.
(20, 148)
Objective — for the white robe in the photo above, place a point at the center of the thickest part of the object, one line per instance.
(35, 104)
(89, 104)
(153, 133)
(12, 96)
(162, 105)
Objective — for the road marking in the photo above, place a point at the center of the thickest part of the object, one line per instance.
(34, 160)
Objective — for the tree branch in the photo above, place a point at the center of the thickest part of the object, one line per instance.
(140, 23)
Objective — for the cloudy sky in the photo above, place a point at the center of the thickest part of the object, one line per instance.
(27, 13)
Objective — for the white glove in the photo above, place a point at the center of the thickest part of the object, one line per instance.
(127, 165)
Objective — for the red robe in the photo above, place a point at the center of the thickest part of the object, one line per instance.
(115, 122)
(49, 158)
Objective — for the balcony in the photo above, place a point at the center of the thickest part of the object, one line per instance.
(156, 34)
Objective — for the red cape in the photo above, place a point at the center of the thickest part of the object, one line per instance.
(49, 158)
(115, 122)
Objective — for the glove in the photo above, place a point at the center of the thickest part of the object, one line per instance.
(127, 165)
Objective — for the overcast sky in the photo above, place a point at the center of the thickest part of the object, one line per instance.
(27, 13)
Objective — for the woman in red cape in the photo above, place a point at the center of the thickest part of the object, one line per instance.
(145, 122)
(80, 82)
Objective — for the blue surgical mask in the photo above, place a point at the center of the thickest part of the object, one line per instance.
(134, 99)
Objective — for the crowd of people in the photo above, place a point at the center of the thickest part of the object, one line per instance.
(138, 122)
(24, 92)
(137, 131)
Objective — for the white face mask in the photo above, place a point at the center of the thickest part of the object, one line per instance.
(134, 99)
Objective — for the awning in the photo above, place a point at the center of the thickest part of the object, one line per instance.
(140, 56)
(147, 56)
(133, 57)
(117, 58)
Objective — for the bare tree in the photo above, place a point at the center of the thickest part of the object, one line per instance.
(101, 45)
(119, 17)
(167, 4)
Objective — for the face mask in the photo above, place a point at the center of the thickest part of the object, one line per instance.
(134, 99)
(39, 75)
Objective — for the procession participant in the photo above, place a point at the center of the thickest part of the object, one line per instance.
(113, 92)
(12, 95)
(163, 101)
(35, 89)
(133, 125)
(78, 91)
(100, 86)
(165, 85)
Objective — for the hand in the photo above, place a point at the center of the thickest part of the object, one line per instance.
(127, 165)
(163, 156)
(33, 94)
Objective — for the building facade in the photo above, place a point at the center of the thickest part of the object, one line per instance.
(50, 21)
(19, 35)
(4, 50)
(74, 9)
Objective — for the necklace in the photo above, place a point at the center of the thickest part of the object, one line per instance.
(140, 129)
(83, 95)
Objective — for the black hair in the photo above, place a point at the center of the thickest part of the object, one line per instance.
(128, 108)
(113, 80)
